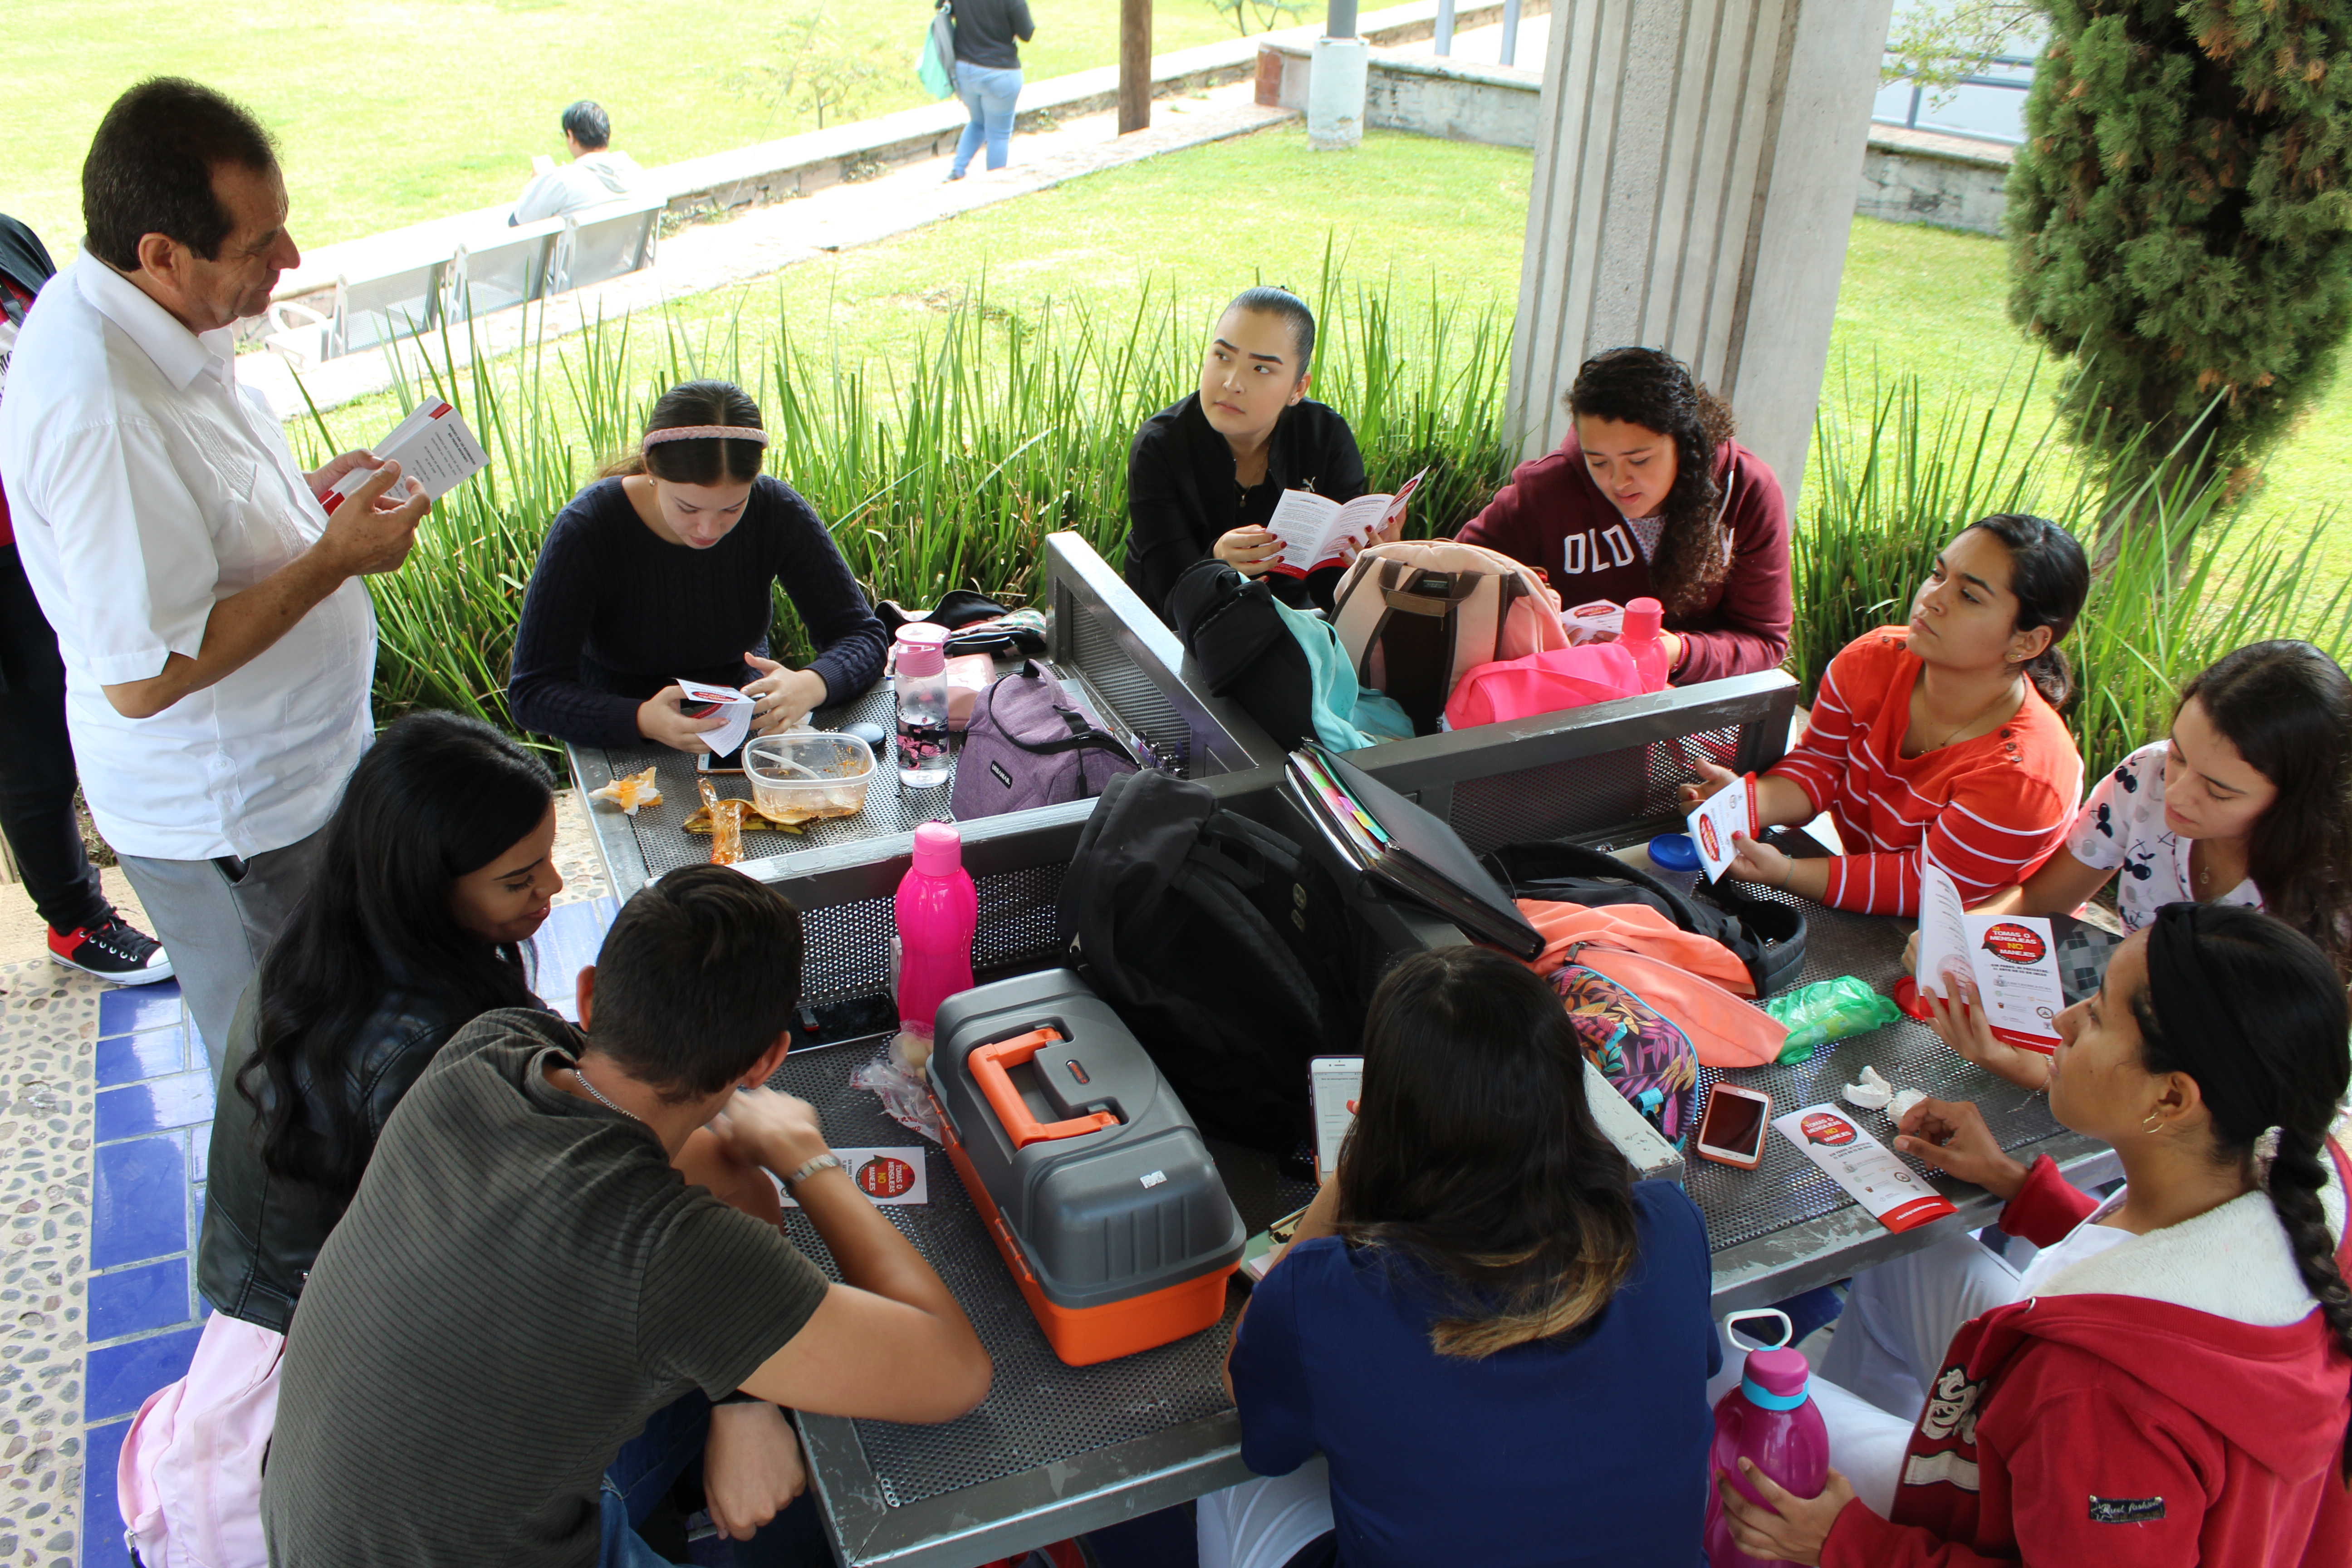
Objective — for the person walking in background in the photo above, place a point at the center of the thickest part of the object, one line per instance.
(596, 174)
(988, 74)
(36, 779)
(218, 645)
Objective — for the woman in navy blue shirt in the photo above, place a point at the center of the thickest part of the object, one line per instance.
(1495, 1339)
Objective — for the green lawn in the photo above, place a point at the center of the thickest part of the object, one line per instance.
(393, 111)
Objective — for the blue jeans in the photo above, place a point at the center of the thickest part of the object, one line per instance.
(990, 94)
(642, 1473)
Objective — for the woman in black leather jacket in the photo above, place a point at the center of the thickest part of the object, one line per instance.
(437, 869)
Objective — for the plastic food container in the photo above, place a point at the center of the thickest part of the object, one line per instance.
(808, 775)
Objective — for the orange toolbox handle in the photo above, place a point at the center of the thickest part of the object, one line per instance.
(988, 1064)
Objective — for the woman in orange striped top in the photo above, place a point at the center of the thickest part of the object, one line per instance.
(1942, 734)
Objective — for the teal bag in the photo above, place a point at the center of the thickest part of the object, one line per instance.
(1347, 714)
(935, 66)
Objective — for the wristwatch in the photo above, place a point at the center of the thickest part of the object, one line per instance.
(825, 1161)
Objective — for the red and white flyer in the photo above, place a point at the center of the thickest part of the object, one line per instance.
(886, 1175)
(1729, 810)
(2012, 960)
(1871, 1173)
(431, 446)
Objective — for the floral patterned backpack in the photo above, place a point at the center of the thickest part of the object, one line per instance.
(1644, 1053)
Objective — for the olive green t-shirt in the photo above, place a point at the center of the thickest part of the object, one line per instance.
(520, 1281)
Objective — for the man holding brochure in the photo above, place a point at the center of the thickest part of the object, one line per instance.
(218, 644)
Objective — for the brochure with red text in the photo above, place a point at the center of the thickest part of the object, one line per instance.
(1871, 1173)
(1313, 529)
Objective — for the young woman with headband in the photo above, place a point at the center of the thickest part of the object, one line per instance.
(1942, 734)
(1650, 496)
(2169, 1381)
(1204, 476)
(664, 567)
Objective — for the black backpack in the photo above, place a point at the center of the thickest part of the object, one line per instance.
(1227, 949)
(1768, 937)
(1231, 627)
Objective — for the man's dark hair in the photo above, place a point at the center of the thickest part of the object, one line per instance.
(587, 124)
(150, 169)
(699, 975)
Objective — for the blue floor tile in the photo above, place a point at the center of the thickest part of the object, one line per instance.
(199, 1152)
(139, 1203)
(137, 1300)
(101, 1518)
(150, 1107)
(129, 1008)
(565, 945)
(128, 1059)
(120, 1376)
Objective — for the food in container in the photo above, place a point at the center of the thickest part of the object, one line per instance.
(808, 774)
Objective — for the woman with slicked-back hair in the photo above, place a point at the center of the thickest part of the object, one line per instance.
(666, 568)
(1650, 497)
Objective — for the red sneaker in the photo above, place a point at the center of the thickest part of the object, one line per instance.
(116, 951)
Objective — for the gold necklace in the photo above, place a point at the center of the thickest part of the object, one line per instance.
(1972, 719)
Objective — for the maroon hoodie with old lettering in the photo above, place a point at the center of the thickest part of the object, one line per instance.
(1553, 517)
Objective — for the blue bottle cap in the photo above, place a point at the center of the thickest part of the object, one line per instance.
(1674, 852)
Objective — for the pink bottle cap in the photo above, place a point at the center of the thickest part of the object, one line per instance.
(1644, 619)
(922, 649)
(939, 850)
(1781, 1374)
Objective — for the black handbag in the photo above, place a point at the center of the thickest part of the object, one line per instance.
(1768, 937)
(1231, 627)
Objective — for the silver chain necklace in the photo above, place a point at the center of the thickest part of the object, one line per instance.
(598, 1096)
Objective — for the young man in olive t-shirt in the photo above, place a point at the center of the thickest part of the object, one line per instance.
(525, 1281)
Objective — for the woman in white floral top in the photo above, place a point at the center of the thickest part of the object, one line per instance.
(2248, 802)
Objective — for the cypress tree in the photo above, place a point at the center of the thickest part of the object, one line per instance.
(2180, 219)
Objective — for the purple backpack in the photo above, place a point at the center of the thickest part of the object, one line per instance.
(1029, 744)
(1640, 1051)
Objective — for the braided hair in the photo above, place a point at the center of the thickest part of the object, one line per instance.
(1651, 388)
(2252, 1010)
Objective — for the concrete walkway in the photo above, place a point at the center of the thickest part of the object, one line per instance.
(769, 238)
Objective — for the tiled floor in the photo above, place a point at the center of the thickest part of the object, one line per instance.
(153, 1125)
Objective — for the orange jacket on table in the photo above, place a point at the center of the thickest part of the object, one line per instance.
(1693, 980)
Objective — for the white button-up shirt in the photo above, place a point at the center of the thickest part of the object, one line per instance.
(145, 485)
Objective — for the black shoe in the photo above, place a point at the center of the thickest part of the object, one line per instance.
(115, 951)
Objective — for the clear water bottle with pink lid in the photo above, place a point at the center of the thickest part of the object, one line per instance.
(1644, 619)
(1770, 1421)
(939, 912)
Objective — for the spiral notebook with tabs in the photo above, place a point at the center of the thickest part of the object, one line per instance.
(1400, 852)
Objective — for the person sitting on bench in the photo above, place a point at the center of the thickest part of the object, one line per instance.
(595, 175)
(511, 1344)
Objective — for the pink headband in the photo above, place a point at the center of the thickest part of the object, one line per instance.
(750, 433)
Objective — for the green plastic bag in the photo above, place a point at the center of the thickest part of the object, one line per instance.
(1828, 1010)
(935, 66)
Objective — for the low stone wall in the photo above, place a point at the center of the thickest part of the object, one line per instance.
(1917, 176)
(1424, 94)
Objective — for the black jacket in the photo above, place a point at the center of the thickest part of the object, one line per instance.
(23, 256)
(1182, 495)
(985, 31)
(262, 1232)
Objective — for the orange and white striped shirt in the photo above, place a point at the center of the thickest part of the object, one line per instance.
(1989, 810)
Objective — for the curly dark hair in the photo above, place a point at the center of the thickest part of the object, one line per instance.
(1651, 388)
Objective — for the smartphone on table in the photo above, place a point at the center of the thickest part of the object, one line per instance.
(1731, 1130)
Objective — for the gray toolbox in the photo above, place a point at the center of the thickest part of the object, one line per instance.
(1094, 1181)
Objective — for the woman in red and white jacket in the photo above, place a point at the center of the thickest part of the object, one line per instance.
(1943, 734)
(2173, 1382)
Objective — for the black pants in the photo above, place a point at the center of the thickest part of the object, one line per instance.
(37, 764)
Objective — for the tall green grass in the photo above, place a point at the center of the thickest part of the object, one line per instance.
(2182, 577)
(944, 471)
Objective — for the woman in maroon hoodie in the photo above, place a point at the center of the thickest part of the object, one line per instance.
(2174, 1387)
(1650, 496)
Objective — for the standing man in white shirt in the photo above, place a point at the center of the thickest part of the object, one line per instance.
(596, 174)
(218, 644)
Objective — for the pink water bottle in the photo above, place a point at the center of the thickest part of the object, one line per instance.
(1643, 620)
(1770, 1421)
(938, 912)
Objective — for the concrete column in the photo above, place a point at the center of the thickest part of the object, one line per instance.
(1695, 166)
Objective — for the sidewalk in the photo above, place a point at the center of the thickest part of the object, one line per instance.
(767, 239)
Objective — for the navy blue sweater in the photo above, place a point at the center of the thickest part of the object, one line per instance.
(614, 612)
